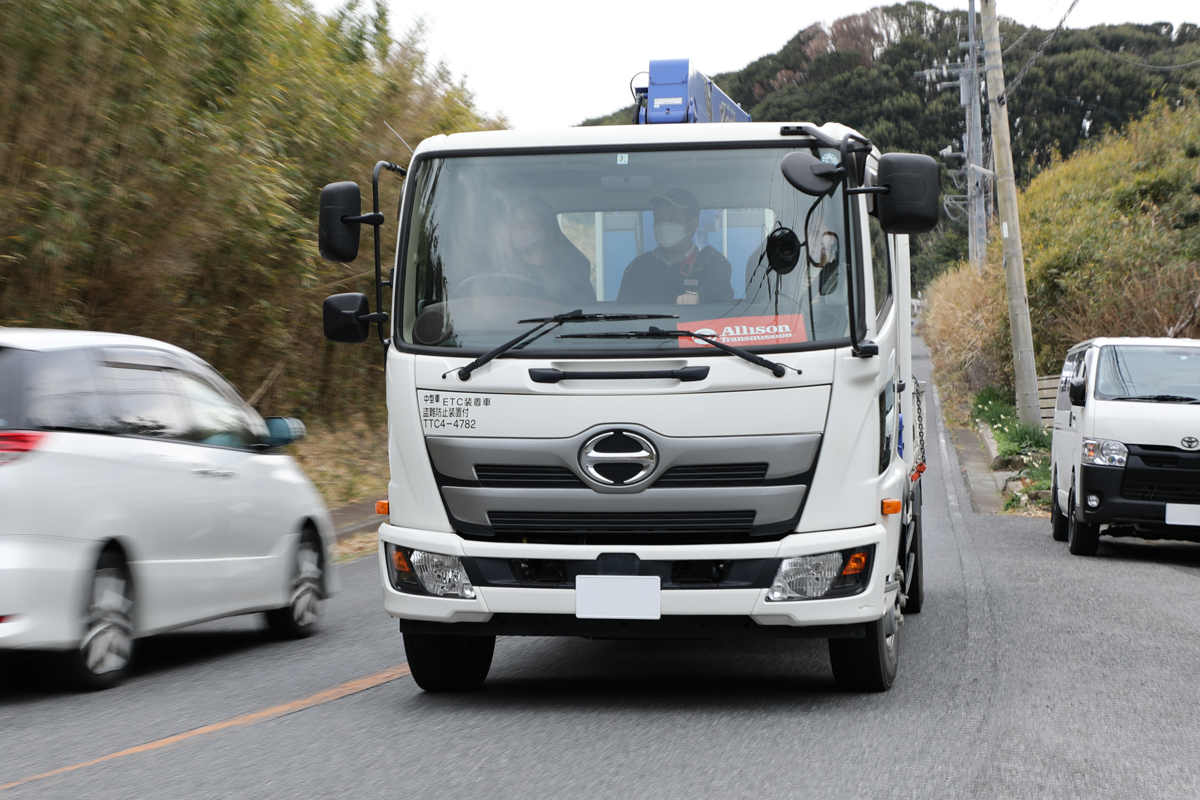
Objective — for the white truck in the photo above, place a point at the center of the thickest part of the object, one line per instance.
(647, 381)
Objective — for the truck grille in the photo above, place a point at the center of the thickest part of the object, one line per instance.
(514, 476)
(713, 475)
(574, 528)
(519, 476)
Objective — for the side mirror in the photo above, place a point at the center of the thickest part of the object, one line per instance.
(809, 174)
(338, 241)
(342, 315)
(282, 431)
(1077, 391)
(911, 204)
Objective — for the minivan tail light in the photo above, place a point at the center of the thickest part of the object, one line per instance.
(14, 444)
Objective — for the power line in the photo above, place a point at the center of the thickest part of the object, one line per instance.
(1133, 63)
(1041, 48)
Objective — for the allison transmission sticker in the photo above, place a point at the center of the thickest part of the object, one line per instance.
(745, 331)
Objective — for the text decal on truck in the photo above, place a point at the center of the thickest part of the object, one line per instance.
(743, 331)
(446, 411)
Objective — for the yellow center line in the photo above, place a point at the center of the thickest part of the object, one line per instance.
(253, 718)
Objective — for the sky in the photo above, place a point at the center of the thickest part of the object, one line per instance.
(552, 64)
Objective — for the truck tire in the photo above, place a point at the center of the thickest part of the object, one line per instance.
(447, 662)
(867, 664)
(1083, 538)
(916, 580)
(1058, 520)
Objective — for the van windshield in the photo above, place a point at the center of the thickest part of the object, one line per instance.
(1148, 373)
(492, 240)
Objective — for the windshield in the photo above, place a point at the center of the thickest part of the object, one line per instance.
(1148, 373)
(497, 239)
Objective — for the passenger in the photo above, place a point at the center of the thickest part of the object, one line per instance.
(543, 253)
(677, 272)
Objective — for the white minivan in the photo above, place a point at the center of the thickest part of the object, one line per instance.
(1126, 451)
(139, 493)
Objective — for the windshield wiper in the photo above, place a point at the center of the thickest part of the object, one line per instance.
(776, 369)
(464, 373)
(1161, 398)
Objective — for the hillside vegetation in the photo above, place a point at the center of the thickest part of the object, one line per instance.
(160, 162)
(1112, 248)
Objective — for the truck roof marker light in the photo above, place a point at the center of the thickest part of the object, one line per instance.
(381, 506)
(856, 563)
(891, 506)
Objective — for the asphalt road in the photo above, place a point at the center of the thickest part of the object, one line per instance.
(1031, 673)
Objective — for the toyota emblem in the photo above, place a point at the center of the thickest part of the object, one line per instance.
(618, 458)
(1190, 442)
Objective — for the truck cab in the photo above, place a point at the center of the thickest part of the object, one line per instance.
(649, 381)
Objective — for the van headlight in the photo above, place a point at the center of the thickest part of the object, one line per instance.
(427, 573)
(1104, 452)
(824, 575)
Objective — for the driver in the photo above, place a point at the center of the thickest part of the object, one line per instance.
(677, 272)
(542, 252)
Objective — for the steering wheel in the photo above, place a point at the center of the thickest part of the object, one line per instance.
(503, 284)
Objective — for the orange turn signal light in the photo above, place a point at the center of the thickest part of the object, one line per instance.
(399, 561)
(381, 506)
(856, 564)
(892, 506)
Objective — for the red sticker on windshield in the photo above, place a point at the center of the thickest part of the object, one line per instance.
(746, 331)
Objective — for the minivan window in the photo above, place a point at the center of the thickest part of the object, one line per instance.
(1149, 373)
(145, 402)
(215, 420)
(61, 392)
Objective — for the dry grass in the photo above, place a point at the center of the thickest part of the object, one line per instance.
(350, 549)
(348, 461)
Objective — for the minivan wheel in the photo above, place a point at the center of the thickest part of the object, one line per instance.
(448, 662)
(103, 656)
(1083, 538)
(1058, 520)
(298, 619)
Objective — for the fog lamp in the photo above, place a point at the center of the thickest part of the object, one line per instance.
(436, 574)
(1104, 452)
(838, 574)
(1093, 501)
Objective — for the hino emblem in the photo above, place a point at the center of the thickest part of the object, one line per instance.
(618, 458)
(1190, 442)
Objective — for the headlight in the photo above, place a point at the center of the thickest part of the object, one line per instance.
(432, 573)
(1104, 452)
(826, 575)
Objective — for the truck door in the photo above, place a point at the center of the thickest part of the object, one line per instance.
(882, 328)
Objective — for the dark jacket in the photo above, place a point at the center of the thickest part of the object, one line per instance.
(648, 279)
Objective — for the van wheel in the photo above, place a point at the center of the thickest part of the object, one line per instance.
(449, 663)
(298, 619)
(1083, 538)
(103, 655)
(867, 664)
(1058, 520)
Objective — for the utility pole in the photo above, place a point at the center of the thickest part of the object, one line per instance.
(1024, 370)
(975, 174)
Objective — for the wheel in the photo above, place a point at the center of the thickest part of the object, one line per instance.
(104, 653)
(1058, 520)
(1083, 538)
(298, 619)
(915, 573)
(868, 664)
(448, 663)
(500, 284)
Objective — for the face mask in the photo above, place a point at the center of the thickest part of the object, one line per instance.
(669, 234)
(525, 238)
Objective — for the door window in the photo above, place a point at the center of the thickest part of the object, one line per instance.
(215, 420)
(145, 402)
(62, 393)
(881, 268)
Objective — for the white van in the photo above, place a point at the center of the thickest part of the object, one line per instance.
(1126, 451)
(139, 493)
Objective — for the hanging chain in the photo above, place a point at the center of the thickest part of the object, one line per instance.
(919, 403)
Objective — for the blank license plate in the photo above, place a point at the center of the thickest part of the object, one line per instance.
(1181, 514)
(617, 597)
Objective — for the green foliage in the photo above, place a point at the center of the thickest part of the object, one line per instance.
(995, 408)
(161, 159)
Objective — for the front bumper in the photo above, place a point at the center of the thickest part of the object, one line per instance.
(1145, 518)
(551, 611)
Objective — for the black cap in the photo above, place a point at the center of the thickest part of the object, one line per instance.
(680, 198)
